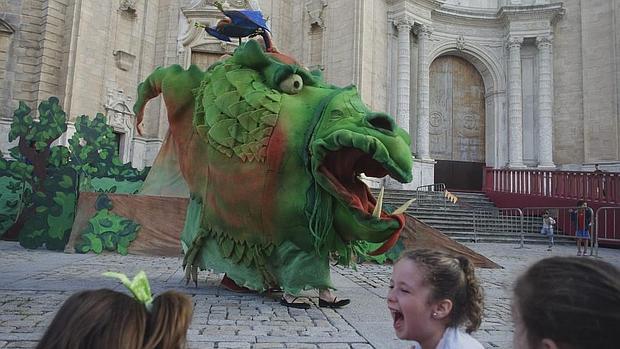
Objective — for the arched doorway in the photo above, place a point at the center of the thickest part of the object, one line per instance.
(457, 123)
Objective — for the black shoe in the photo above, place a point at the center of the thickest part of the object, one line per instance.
(293, 304)
(335, 304)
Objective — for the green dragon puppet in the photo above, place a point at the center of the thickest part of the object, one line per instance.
(271, 155)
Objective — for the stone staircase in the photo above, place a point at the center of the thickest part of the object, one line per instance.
(474, 218)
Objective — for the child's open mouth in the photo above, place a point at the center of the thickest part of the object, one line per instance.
(398, 319)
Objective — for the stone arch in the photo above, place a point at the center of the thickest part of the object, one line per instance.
(6, 27)
(494, 79)
(490, 69)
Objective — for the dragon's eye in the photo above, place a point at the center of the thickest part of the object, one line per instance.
(292, 85)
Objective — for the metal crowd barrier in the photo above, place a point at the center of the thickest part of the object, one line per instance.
(506, 220)
(565, 225)
(607, 225)
(435, 187)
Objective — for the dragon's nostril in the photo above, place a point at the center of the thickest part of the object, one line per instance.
(381, 121)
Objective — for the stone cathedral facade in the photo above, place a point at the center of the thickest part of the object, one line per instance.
(527, 84)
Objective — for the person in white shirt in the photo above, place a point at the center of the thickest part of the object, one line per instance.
(431, 295)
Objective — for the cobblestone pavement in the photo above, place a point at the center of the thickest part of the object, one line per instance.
(33, 285)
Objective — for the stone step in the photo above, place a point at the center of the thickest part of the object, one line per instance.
(457, 220)
(509, 238)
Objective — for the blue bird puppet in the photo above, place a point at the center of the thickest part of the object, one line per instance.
(241, 24)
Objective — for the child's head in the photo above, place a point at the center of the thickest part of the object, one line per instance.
(109, 319)
(431, 290)
(582, 203)
(567, 302)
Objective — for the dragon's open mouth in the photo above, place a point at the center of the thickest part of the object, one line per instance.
(341, 168)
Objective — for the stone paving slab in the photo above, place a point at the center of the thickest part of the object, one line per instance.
(33, 285)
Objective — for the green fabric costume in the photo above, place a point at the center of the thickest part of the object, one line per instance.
(271, 156)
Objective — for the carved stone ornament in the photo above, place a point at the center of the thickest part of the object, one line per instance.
(5, 27)
(403, 23)
(124, 60)
(544, 41)
(315, 11)
(118, 111)
(424, 30)
(514, 41)
(128, 6)
(460, 43)
(225, 4)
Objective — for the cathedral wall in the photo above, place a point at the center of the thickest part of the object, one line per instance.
(568, 142)
(340, 67)
(600, 108)
(372, 81)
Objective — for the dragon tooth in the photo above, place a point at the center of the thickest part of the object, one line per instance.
(378, 205)
(404, 207)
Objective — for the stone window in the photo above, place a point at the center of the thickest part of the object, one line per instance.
(120, 116)
(6, 32)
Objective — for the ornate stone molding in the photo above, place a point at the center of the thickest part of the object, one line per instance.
(545, 41)
(128, 6)
(423, 30)
(118, 110)
(460, 43)
(5, 27)
(403, 23)
(514, 42)
(315, 8)
(120, 117)
(124, 60)
(550, 12)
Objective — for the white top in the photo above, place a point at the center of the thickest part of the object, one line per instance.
(548, 222)
(453, 338)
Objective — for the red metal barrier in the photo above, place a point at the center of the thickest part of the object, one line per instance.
(603, 188)
(535, 188)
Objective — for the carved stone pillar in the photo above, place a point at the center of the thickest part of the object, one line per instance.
(403, 25)
(423, 141)
(545, 103)
(515, 104)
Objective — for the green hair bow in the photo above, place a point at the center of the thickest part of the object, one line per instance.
(139, 287)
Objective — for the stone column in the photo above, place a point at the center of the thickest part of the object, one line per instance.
(545, 103)
(423, 151)
(403, 24)
(515, 104)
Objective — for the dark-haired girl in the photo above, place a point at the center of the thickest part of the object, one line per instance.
(567, 303)
(431, 295)
(107, 319)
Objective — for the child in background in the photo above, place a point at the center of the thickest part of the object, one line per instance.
(547, 228)
(107, 319)
(582, 218)
(431, 295)
(567, 303)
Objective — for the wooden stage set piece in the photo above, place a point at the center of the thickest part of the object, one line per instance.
(162, 219)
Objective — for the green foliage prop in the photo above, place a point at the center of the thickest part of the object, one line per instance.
(35, 161)
(94, 154)
(14, 191)
(107, 230)
(54, 210)
(39, 188)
